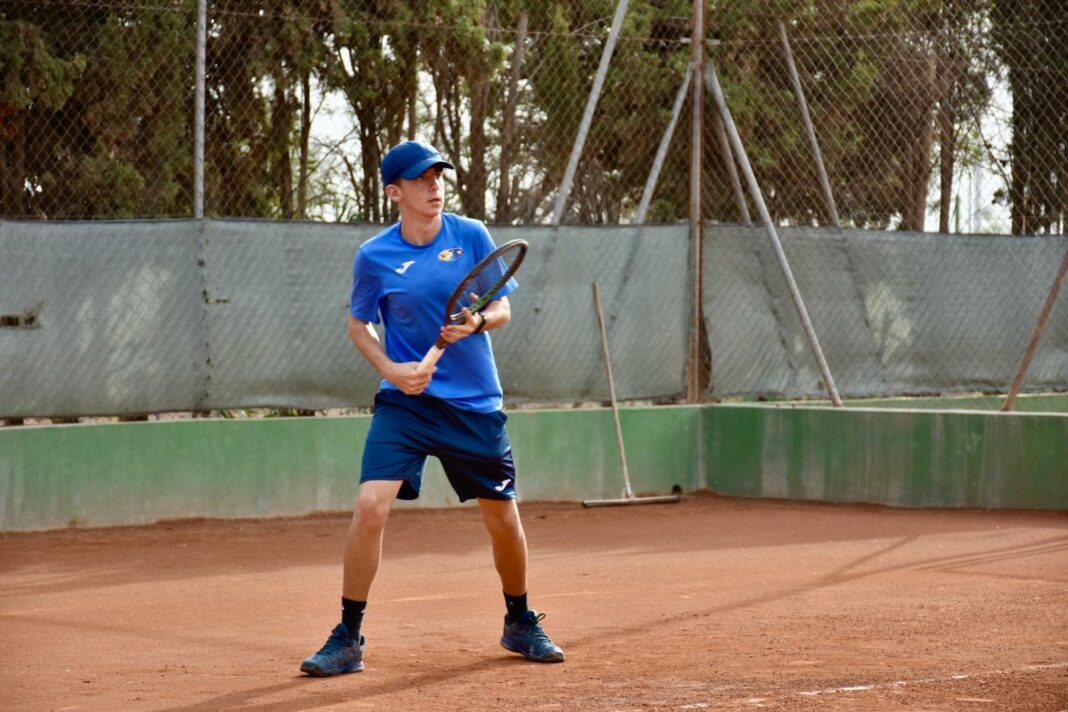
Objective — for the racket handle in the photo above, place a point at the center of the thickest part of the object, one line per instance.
(431, 358)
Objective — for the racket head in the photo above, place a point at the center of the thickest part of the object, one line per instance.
(486, 279)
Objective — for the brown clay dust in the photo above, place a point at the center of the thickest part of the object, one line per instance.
(708, 604)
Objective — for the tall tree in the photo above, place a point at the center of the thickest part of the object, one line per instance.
(465, 65)
(36, 83)
(1032, 39)
(261, 59)
(110, 137)
(373, 62)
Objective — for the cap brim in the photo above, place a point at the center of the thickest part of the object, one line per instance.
(418, 169)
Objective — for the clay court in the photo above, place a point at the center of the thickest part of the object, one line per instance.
(713, 603)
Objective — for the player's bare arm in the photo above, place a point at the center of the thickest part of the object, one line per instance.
(402, 375)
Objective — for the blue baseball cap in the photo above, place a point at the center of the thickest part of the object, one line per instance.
(409, 159)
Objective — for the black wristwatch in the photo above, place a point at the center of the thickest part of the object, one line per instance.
(481, 323)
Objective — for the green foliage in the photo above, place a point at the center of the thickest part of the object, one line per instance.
(33, 76)
(1037, 61)
(96, 104)
(106, 135)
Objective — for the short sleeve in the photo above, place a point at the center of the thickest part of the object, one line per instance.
(366, 288)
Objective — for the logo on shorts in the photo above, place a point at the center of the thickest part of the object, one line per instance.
(503, 485)
(404, 267)
(450, 254)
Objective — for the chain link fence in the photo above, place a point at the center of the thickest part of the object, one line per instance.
(896, 313)
(96, 110)
(938, 115)
(941, 117)
(135, 317)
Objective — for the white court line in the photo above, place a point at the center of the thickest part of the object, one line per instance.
(929, 680)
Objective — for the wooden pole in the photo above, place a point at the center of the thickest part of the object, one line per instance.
(1040, 326)
(628, 496)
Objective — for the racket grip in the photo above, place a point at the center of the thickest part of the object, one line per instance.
(431, 358)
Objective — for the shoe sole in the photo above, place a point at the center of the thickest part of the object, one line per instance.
(554, 658)
(351, 667)
(317, 672)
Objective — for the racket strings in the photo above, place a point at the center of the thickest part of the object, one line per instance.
(486, 285)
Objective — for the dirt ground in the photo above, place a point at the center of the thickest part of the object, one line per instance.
(709, 604)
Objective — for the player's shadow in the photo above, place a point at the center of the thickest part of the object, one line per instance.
(245, 700)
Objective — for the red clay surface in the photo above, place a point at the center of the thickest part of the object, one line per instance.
(708, 604)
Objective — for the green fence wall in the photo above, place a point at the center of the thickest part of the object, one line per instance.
(134, 473)
(910, 458)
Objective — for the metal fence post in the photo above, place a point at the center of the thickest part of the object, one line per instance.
(765, 216)
(732, 171)
(587, 115)
(806, 118)
(662, 149)
(693, 377)
(198, 140)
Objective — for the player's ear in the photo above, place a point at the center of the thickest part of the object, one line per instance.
(393, 192)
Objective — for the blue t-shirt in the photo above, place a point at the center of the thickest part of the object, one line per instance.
(408, 285)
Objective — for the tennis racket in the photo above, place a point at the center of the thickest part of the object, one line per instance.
(486, 280)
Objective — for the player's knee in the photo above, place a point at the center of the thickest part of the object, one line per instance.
(372, 511)
(504, 527)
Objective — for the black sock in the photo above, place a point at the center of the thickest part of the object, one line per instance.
(352, 615)
(516, 606)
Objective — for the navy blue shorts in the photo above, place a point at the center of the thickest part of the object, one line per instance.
(473, 447)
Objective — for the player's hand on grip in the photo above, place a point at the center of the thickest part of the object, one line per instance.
(409, 379)
(470, 325)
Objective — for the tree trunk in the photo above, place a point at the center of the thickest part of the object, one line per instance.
(13, 162)
(480, 99)
(305, 133)
(947, 140)
(369, 161)
(918, 163)
(475, 205)
(413, 104)
(280, 123)
(504, 208)
(1021, 160)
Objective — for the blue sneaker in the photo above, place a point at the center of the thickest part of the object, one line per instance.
(527, 638)
(339, 656)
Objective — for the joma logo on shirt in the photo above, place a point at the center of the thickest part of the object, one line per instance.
(450, 254)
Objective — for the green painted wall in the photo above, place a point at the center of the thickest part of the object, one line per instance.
(1025, 403)
(121, 473)
(901, 458)
(134, 473)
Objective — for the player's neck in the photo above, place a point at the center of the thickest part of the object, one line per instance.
(420, 229)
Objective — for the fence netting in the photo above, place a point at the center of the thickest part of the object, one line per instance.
(128, 318)
(939, 139)
(123, 318)
(896, 313)
(935, 115)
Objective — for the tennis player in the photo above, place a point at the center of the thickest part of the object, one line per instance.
(405, 275)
